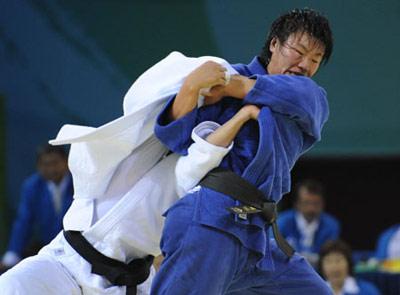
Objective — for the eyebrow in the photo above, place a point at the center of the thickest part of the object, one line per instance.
(306, 49)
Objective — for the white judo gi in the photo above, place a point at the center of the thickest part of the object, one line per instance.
(123, 182)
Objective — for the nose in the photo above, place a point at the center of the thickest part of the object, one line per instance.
(305, 66)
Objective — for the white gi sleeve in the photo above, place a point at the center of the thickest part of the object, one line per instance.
(201, 158)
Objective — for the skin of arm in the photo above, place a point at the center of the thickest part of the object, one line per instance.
(208, 75)
(238, 87)
(224, 135)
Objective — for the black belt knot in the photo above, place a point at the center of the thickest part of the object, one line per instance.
(116, 272)
(231, 184)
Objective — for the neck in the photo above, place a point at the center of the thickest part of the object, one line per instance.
(59, 180)
(337, 286)
(269, 68)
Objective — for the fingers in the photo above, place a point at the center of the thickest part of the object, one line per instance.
(208, 75)
(221, 81)
(216, 66)
(227, 78)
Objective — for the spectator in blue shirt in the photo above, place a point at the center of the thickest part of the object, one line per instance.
(336, 266)
(307, 227)
(45, 197)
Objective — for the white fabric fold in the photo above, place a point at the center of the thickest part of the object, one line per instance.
(201, 158)
(96, 152)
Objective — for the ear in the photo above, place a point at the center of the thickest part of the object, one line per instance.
(273, 45)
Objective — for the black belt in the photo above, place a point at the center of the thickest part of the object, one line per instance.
(231, 184)
(115, 271)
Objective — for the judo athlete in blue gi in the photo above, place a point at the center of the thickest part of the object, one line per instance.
(207, 249)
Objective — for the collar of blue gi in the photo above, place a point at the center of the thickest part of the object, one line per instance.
(256, 67)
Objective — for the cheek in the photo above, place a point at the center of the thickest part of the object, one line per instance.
(314, 69)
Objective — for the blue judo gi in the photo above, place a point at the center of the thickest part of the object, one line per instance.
(209, 250)
(36, 211)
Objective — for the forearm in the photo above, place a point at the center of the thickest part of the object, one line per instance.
(207, 75)
(239, 86)
(185, 102)
(225, 134)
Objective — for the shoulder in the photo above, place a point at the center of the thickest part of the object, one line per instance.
(287, 215)
(242, 69)
(386, 235)
(391, 230)
(32, 181)
(329, 219)
(367, 288)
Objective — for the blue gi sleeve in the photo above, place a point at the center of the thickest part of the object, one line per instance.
(176, 134)
(300, 98)
(23, 224)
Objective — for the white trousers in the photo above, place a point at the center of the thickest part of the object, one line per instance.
(37, 275)
(42, 274)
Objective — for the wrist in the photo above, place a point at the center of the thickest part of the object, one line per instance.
(239, 86)
(190, 87)
(248, 85)
(243, 115)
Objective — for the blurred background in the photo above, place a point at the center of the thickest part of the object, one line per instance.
(72, 62)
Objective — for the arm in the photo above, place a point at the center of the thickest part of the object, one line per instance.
(180, 115)
(225, 134)
(211, 144)
(297, 97)
(22, 226)
(208, 75)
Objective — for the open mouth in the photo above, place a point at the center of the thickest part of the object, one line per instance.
(294, 73)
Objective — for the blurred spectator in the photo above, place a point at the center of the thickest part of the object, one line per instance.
(388, 246)
(307, 227)
(336, 266)
(45, 197)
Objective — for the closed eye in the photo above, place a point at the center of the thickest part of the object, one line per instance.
(298, 52)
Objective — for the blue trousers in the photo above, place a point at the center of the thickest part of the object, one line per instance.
(203, 260)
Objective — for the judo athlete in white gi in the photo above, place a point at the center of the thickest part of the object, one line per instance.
(123, 182)
(207, 248)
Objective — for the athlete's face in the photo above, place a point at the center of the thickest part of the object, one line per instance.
(301, 54)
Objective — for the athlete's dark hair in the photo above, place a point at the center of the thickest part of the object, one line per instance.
(299, 21)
